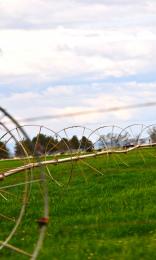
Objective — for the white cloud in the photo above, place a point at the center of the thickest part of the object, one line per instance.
(58, 53)
(47, 42)
(45, 13)
(75, 39)
(62, 100)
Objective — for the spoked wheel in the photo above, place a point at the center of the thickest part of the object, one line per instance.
(19, 187)
(107, 142)
(76, 138)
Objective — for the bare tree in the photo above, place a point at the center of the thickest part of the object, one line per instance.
(152, 133)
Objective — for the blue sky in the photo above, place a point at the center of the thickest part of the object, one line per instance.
(68, 55)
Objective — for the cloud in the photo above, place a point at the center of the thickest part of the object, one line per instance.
(46, 40)
(46, 14)
(62, 99)
(58, 56)
(49, 55)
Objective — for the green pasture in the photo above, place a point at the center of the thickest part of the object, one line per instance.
(106, 211)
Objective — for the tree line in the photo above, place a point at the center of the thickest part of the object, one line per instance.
(43, 144)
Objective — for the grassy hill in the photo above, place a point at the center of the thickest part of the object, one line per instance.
(108, 216)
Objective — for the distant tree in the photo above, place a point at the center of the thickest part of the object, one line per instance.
(51, 145)
(102, 142)
(23, 148)
(86, 144)
(4, 152)
(39, 144)
(44, 144)
(74, 142)
(152, 133)
(63, 145)
(112, 140)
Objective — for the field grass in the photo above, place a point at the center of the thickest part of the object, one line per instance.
(109, 216)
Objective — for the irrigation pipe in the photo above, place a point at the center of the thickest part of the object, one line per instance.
(69, 159)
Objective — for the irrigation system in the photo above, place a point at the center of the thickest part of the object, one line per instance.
(33, 168)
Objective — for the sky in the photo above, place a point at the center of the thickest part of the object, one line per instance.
(65, 56)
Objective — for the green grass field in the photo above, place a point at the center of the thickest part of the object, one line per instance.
(109, 216)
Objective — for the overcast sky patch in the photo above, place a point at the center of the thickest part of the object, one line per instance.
(101, 52)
